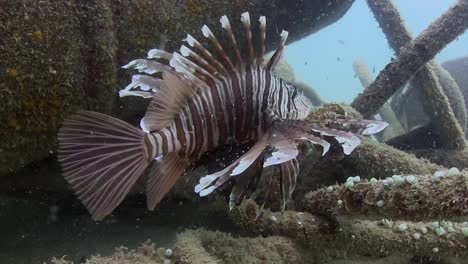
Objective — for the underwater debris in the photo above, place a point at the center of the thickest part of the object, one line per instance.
(411, 58)
(433, 78)
(457, 68)
(386, 112)
(353, 235)
(428, 78)
(203, 246)
(445, 124)
(371, 158)
(375, 160)
(147, 253)
(453, 92)
(422, 199)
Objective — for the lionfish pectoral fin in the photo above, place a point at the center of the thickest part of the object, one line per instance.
(283, 148)
(246, 181)
(364, 127)
(162, 176)
(211, 182)
(101, 157)
(250, 157)
(313, 132)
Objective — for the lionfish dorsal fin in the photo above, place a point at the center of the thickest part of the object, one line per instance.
(245, 19)
(198, 65)
(226, 25)
(171, 97)
(145, 85)
(163, 173)
(204, 53)
(207, 67)
(261, 52)
(207, 33)
(279, 51)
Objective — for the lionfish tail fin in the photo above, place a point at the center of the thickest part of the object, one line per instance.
(101, 157)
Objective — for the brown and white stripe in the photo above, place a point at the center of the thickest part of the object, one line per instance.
(201, 100)
(231, 104)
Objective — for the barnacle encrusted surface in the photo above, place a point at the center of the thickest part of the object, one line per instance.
(420, 199)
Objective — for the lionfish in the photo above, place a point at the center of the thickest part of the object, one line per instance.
(201, 100)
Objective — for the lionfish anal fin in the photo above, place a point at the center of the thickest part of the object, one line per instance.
(163, 173)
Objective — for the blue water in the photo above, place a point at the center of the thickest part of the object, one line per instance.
(324, 60)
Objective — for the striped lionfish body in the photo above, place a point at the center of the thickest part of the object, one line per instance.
(200, 102)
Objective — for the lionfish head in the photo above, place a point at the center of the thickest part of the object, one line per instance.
(303, 105)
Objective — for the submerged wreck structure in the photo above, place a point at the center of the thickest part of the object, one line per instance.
(409, 203)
